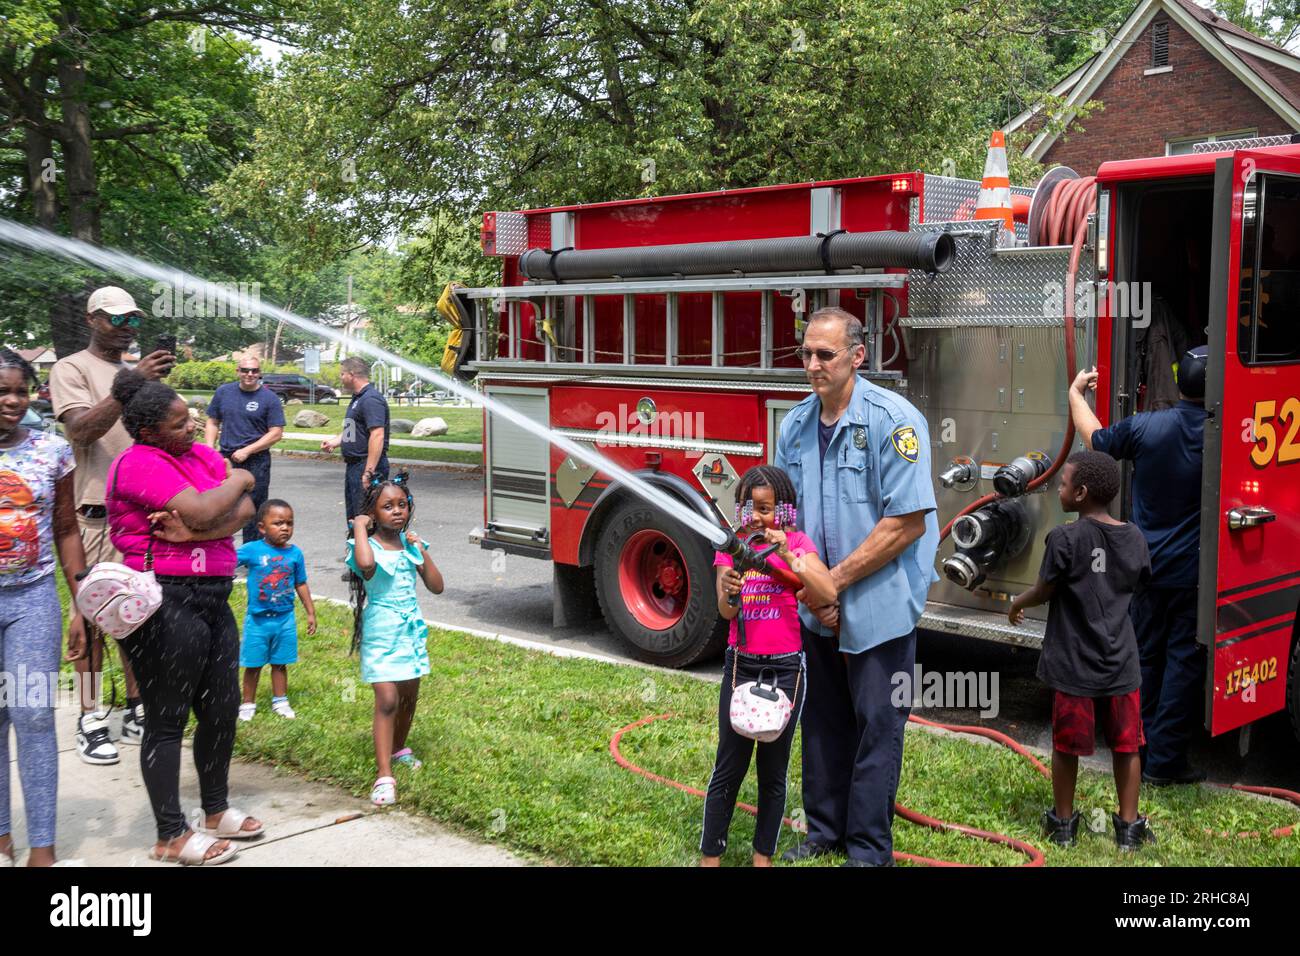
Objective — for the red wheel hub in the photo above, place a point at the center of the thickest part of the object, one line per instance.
(653, 580)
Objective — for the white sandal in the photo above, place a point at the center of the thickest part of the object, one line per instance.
(229, 827)
(384, 792)
(194, 852)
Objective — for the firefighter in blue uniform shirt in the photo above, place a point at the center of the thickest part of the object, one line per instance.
(1166, 449)
(859, 456)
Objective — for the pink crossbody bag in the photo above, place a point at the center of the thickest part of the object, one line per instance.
(116, 598)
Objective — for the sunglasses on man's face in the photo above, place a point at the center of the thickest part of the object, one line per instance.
(823, 355)
(132, 319)
(250, 371)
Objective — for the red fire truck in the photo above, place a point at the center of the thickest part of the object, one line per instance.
(662, 331)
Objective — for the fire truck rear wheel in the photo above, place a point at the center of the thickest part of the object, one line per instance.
(655, 582)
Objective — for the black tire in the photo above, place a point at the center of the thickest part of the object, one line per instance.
(638, 534)
(1293, 684)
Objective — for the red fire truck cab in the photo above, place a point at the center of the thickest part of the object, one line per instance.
(677, 363)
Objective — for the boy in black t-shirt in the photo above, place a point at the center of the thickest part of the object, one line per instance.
(1090, 654)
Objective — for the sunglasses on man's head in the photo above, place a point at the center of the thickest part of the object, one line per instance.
(132, 319)
(823, 355)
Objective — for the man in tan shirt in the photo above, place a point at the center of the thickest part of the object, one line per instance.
(81, 388)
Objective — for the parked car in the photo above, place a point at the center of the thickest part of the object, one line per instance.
(288, 386)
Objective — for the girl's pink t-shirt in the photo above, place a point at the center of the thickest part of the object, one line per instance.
(142, 480)
(769, 608)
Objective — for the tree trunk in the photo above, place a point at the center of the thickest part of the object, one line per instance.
(38, 149)
(78, 153)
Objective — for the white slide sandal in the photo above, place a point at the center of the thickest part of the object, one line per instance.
(228, 827)
(194, 852)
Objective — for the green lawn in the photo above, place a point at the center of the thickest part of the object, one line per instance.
(516, 750)
(464, 424)
(515, 746)
(432, 453)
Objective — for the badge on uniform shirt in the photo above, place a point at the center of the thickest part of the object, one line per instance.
(859, 437)
(906, 444)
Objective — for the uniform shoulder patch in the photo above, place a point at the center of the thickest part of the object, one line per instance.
(906, 444)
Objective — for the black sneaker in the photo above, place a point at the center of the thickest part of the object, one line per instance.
(1061, 832)
(1188, 776)
(93, 744)
(1131, 836)
(133, 725)
(807, 850)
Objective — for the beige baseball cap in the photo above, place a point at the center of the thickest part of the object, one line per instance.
(112, 300)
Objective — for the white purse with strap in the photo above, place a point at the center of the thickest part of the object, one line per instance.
(119, 599)
(759, 709)
(116, 598)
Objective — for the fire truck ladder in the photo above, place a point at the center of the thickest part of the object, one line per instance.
(556, 305)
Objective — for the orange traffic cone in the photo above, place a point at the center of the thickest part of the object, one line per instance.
(995, 190)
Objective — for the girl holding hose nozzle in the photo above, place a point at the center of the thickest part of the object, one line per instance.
(764, 636)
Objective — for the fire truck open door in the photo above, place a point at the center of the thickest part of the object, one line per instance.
(1250, 528)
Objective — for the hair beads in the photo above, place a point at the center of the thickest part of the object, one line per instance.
(786, 514)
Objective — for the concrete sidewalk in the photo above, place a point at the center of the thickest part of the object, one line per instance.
(105, 820)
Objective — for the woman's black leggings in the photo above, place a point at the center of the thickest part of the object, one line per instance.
(186, 657)
(734, 752)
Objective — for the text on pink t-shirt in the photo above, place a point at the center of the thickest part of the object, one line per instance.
(142, 480)
(769, 608)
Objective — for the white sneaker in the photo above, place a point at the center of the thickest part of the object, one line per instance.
(133, 726)
(93, 744)
(246, 711)
(282, 708)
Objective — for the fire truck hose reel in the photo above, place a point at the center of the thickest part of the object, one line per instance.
(888, 249)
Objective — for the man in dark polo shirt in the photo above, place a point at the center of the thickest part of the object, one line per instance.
(364, 440)
(1166, 448)
(250, 419)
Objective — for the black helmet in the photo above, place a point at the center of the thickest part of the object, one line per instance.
(1191, 372)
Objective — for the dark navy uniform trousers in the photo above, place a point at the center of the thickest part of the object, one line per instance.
(853, 744)
(1173, 675)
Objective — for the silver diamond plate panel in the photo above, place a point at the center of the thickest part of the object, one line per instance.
(986, 625)
(1227, 145)
(1009, 287)
(512, 233)
(945, 199)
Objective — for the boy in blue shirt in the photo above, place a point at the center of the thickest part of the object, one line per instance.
(276, 570)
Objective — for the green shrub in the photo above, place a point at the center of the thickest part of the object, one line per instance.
(195, 375)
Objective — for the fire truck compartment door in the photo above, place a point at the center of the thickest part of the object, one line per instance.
(517, 460)
(1250, 569)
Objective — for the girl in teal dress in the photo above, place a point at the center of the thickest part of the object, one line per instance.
(386, 557)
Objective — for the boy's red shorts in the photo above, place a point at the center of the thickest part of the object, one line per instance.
(1075, 719)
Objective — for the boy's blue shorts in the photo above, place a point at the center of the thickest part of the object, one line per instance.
(269, 639)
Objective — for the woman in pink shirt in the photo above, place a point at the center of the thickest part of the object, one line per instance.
(182, 502)
(764, 636)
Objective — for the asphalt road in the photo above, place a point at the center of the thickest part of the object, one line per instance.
(512, 595)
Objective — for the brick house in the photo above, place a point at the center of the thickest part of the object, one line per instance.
(1173, 75)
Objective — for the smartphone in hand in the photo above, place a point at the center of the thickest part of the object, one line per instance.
(165, 343)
